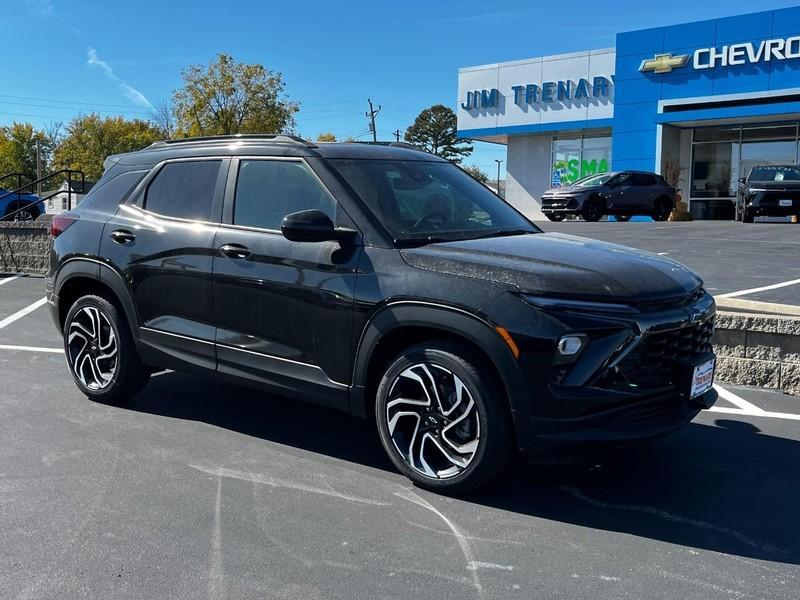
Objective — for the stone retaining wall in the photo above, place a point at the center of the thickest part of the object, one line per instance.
(760, 350)
(24, 246)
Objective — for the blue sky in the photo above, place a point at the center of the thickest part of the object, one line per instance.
(62, 57)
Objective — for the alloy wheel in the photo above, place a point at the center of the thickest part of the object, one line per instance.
(92, 348)
(24, 215)
(433, 420)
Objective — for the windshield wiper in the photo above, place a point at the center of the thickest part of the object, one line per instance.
(421, 241)
(501, 233)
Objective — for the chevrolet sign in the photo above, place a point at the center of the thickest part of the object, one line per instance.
(732, 55)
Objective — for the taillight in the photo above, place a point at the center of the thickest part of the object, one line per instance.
(60, 223)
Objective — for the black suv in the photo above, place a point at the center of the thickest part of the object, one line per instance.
(382, 281)
(770, 191)
(622, 194)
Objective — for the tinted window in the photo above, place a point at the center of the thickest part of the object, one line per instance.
(621, 179)
(107, 194)
(644, 179)
(184, 189)
(420, 199)
(268, 190)
(775, 174)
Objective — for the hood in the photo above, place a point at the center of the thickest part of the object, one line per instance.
(554, 264)
(573, 189)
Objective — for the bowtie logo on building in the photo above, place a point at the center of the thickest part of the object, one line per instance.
(663, 63)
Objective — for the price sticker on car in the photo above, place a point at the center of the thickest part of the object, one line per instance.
(784, 202)
(703, 378)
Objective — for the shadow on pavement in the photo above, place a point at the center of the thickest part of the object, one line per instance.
(725, 487)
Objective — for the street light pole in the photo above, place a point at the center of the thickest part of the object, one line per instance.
(498, 161)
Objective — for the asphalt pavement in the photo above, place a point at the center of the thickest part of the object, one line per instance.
(202, 490)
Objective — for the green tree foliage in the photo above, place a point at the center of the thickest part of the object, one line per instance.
(326, 137)
(228, 97)
(477, 173)
(434, 130)
(90, 139)
(18, 150)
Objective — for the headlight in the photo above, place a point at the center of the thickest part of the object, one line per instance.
(578, 305)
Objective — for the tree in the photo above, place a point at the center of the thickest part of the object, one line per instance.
(91, 138)
(434, 130)
(477, 173)
(326, 137)
(163, 118)
(230, 97)
(18, 150)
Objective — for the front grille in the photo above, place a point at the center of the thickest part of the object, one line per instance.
(559, 202)
(670, 303)
(651, 364)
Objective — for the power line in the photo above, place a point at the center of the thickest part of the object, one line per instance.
(69, 102)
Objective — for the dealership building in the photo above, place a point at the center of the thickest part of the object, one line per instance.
(700, 103)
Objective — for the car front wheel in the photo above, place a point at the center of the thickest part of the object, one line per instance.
(592, 210)
(556, 216)
(100, 352)
(440, 418)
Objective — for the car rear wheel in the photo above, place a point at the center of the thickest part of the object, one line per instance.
(748, 217)
(440, 418)
(556, 217)
(662, 209)
(25, 213)
(592, 210)
(100, 352)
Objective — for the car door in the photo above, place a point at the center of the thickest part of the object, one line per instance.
(284, 309)
(619, 195)
(161, 241)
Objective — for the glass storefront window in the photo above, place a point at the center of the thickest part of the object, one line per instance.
(712, 175)
(576, 158)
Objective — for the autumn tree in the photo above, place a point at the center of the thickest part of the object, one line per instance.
(18, 149)
(229, 97)
(434, 130)
(326, 137)
(90, 139)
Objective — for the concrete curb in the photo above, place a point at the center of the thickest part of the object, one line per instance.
(758, 349)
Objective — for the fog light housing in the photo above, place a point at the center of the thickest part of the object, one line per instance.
(570, 345)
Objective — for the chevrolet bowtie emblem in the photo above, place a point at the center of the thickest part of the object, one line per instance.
(663, 63)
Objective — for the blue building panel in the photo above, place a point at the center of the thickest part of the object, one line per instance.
(743, 28)
(786, 21)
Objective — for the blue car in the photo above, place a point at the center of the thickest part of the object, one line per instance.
(20, 207)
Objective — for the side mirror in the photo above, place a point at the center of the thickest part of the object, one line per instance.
(313, 226)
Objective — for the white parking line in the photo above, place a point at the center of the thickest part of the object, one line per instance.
(21, 313)
(745, 408)
(31, 349)
(5, 280)
(774, 286)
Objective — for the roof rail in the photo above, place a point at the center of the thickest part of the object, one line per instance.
(280, 138)
(392, 144)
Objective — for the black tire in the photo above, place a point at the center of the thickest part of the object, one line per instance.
(662, 209)
(622, 218)
(556, 216)
(747, 217)
(120, 378)
(488, 423)
(31, 213)
(592, 210)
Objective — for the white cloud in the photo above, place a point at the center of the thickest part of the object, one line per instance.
(130, 92)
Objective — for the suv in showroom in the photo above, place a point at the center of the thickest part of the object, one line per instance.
(623, 194)
(770, 191)
(382, 281)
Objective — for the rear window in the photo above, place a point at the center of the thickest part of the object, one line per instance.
(184, 190)
(107, 194)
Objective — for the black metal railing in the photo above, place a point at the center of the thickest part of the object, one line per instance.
(69, 175)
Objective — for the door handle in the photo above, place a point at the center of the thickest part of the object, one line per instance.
(122, 236)
(235, 250)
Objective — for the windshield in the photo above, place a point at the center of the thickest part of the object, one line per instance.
(775, 174)
(593, 180)
(429, 201)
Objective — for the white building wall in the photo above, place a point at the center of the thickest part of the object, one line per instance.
(528, 173)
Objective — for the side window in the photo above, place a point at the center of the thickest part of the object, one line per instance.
(268, 190)
(106, 195)
(645, 180)
(184, 190)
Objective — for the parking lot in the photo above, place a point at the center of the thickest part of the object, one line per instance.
(198, 489)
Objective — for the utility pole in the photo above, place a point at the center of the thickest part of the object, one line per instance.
(498, 161)
(371, 116)
(397, 135)
(38, 167)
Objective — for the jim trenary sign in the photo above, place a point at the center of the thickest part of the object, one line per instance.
(532, 93)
